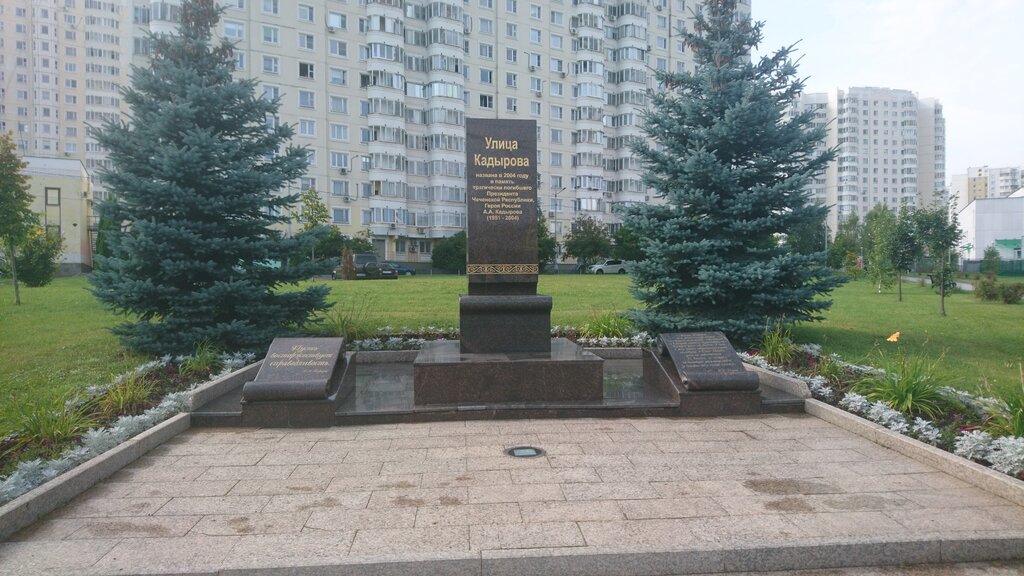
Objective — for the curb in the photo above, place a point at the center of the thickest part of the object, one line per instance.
(36, 503)
(983, 477)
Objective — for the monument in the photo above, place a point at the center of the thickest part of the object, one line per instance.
(505, 353)
(299, 383)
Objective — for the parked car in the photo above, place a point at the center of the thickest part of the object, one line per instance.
(609, 267)
(366, 266)
(403, 270)
(388, 271)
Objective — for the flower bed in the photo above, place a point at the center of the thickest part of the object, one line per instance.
(164, 378)
(961, 429)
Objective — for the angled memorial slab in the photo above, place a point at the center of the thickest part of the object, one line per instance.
(707, 373)
(299, 384)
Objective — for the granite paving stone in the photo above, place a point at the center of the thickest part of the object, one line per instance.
(554, 476)
(416, 497)
(308, 471)
(285, 445)
(388, 541)
(609, 491)
(516, 493)
(213, 505)
(229, 459)
(426, 467)
(173, 489)
(539, 535)
(299, 502)
(822, 524)
(239, 524)
(670, 508)
(468, 515)
(383, 482)
(474, 478)
(342, 519)
(570, 511)
(954, 498)
(105, 507)
(288, 550)
(286, 486)
(46, 557)
(167, 555)
(258, 472)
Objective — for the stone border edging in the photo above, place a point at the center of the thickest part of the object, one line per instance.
(987, 479)
(214, 389)
(36, 503)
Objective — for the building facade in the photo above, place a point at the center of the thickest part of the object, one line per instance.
(379, 91)
(891, 150)
(984, 182)
(997, 222)
(62, 196)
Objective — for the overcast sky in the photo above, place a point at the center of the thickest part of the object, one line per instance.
(967, 53)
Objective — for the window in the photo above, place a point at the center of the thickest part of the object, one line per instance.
(271, 35)
(487, 26)
(535, 108)
(271, 92)
(486, 101)
(339, 132)
(271, 64)
(487, 51)
(307, 70)
(511, 6)
(306, 41)
(535, 11)
(305, 13)
(512, 104)
(556, 41)
(486, 76)
(511, 30)
(338, 76)
(338, 48)
(556, 89)
(556, 136)
(556, 113)
(272, 6)
(534, 35)
(239, 61)
(511, 79)
(339, 104)
(557, 18)
(307, 127)
(511, 55)
(307, 183)
(340, 215)
(339, 160)
(307, 99)
(535, 84)
(335, 20)
(339, 188)
(234, 30)
(556, 158)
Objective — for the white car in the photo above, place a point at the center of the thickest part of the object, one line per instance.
(609, 267)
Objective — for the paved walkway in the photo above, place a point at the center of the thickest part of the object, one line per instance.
(629, 496)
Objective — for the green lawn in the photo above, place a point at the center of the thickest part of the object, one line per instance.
(58, 339)
(980, 343)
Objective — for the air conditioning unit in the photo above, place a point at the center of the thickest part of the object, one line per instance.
(551, 213)
(343, 171)
(533, 68)
(573, 31)
(421, 230)
(562, 74)
(332, 29)
(392, 226)
(538, 93)
(659, 7)
(347, 198)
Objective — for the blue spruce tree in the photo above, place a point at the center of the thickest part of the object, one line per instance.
(731, 162)
(194, 180)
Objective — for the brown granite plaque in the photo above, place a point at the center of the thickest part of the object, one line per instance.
(501, 178)
(707, 361)
(297, 369)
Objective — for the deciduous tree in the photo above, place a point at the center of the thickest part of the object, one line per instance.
(17, 221)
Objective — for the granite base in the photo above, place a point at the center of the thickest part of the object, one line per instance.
(505, 324)
(443, 375)
(658, 372)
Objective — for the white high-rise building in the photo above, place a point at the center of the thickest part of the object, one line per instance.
(379, 91)
(984, 182)
(891, 149)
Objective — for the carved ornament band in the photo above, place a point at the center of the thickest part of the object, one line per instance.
(502, 269)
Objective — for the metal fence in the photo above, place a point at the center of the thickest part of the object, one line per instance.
(1006, 267)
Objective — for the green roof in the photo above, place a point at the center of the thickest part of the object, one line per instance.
(1012, 243)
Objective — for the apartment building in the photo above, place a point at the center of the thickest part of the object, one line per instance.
(985, 182)
(379, 91)
(891, 149)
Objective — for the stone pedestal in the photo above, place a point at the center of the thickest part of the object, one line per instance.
(443, 375)
(518, 324)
